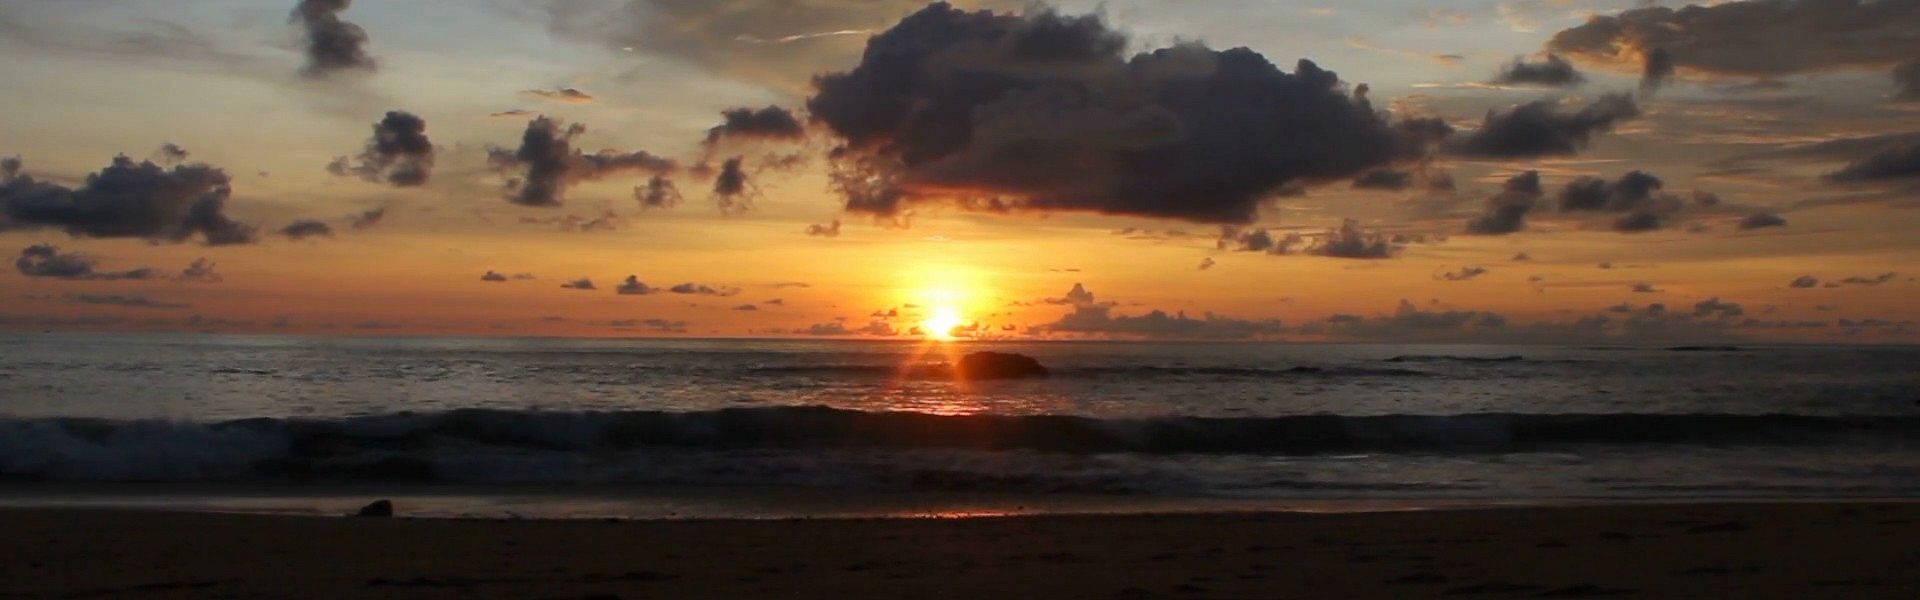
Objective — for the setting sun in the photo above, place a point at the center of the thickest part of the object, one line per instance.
(941, 323)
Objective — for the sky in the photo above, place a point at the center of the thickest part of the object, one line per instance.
(1534, 171)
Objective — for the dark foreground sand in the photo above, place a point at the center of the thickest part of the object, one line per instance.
(1843, 550)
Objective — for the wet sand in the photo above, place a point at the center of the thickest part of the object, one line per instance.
(1800, 550)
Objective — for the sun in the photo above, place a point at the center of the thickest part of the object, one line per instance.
(941, 322)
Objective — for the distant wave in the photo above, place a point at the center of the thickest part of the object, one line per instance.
(940, 370)
(487, 445)
(1420, 358)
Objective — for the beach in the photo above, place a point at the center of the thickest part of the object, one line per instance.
(1741, 550)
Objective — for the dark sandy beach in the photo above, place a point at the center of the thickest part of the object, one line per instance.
(1801, 550)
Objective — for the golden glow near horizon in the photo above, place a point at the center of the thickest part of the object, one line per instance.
(945, 299)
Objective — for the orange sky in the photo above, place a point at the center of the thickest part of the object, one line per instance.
(222, 80)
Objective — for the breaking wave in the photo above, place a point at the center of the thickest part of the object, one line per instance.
(761, 445)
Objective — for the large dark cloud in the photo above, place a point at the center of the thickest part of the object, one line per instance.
(1539, 128)
(1893, 161)
(1507, 211)
(1046, 112)
(399, 153)
(1757, 38)
(546, 164)
(126, 199)
(770, 123)
(45, 260)
(1552, 71)
(332, 44)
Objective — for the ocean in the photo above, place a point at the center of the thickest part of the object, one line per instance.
(1117, 424)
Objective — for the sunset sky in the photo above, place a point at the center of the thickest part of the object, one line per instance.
(1162, 169)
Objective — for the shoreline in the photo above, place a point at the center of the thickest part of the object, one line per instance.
(1755, 550)
(667, 503)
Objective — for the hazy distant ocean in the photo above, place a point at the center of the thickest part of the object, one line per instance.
(1268, 421)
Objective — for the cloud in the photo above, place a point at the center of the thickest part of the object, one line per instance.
(780, 42)
(1350, 241)
(1898, 160)
(659, 192)
(399, 153)
(770, 123)
(367, 219)
(701, 289)
(746, 307)
(1636, 194)
(1804, 282)
(1553, 71)
(1713, 307)
(306, 228)
(1207, 263)
(332, 44)
(170, 153)
(1410, 322)
(997, 112)
(1074, 297)
(1907, 77)
(731, 190)
(565, 95)
(126, 200)
(1507, 211)
(45, 260)
(125, 300)
(199, 271)
(579, 284)
(1099, 319)
(1464, 274)
(491, 276)
(833, 328)
(829, 230)
(1761, 220)
(1384, 179)
(1539, 128)
(1445, 60)
(1657, 68)
(1644, 288)
(1090, 317)
(1874, 280)
(632, 286)
(546, 164)
(1759, 38)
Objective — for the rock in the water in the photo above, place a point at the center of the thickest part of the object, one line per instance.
(379, 508)
(999, 365)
